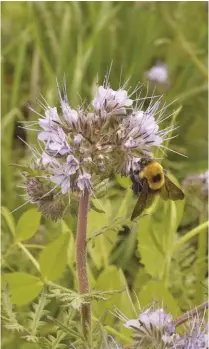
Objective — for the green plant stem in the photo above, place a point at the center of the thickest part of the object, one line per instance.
(29, 255)
(201, 263)
(191, 234)
(183, 318)
(122, 337)
(81, 254)
(40, 247)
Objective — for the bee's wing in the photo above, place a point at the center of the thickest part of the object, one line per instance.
(144, 201)
(170, 191)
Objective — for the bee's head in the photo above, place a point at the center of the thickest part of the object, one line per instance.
(153, 173)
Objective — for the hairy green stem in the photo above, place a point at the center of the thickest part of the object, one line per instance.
(81, 254)
(29, 255)
(183, 318)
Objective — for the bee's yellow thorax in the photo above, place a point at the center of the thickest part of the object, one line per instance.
(153, 172)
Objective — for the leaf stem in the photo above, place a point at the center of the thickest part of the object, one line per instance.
(40, 247)
(114, 332)
(29, 255)
(191, 234)
(81, 254)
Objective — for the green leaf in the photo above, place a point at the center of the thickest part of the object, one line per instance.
(124, 181)
(112, 279)
(149, 247)
(53, 259)
(71, 250)
(155, 291)
(95, 208)
(9, 219)
(140, 280)
(124, 248)
(96, 221)
(22, 287)
(28, 224)
(99, 246)
(156, 236)
(126, 204)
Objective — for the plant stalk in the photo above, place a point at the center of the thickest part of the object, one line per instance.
(201, 263)
(81, 256)
(185, 317)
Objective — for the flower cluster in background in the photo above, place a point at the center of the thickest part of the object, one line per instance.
(195, 187)
(110, 135)
(158, 73)
(197, 184)
(156, 329)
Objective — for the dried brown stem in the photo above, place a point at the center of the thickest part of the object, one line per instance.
(81, 255)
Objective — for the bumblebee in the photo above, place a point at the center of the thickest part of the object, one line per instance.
(149, 181)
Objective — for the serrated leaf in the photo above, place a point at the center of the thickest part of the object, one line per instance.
(53, 259)
(38, 312)
(28, 224)
(155, 291)
(22, 287)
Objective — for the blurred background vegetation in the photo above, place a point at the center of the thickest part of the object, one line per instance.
(42, 41)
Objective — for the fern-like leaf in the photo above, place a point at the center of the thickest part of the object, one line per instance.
(37, 313)
(55, 342)
(10, 320)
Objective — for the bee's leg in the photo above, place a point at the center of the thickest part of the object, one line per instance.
(136, 183)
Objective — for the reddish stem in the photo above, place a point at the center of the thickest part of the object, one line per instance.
(81, 256)
(183, 318)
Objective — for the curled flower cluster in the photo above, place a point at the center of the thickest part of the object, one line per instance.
(156, 329)
(109, 135)
(197, 184)
(152, 327)
(158, 73)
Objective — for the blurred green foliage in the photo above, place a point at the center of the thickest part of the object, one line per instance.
(42, 41)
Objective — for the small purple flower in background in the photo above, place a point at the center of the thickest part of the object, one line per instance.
(158, 73)
(153, 328)
(79, 145)
(197, 184)
(157, 329)
(157, 319)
